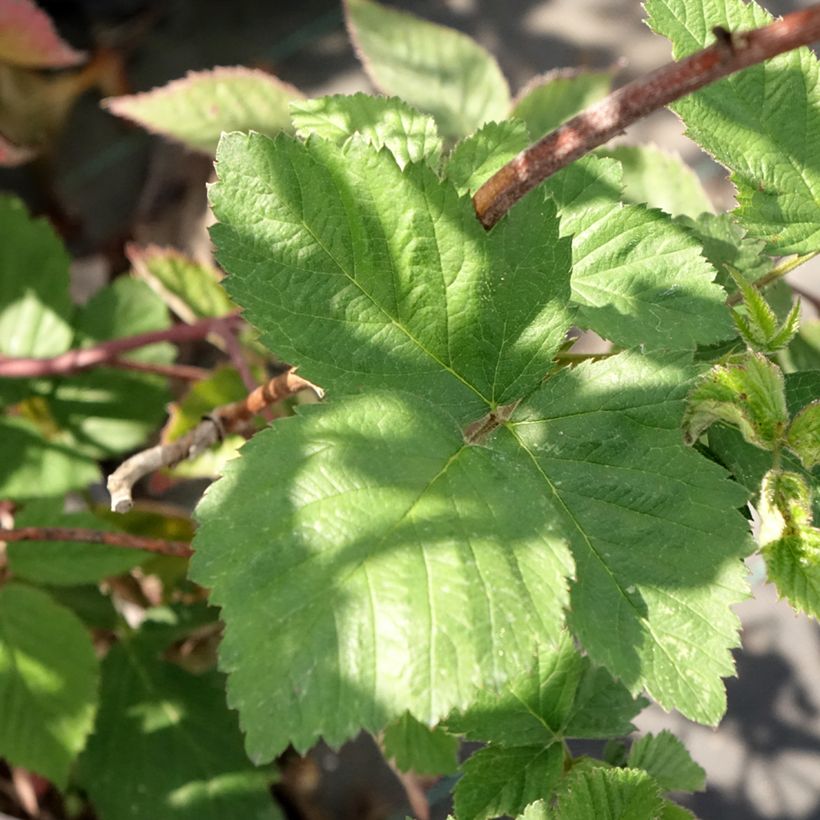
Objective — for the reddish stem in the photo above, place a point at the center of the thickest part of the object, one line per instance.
(73, 361)
(111, 539)
(609, 117)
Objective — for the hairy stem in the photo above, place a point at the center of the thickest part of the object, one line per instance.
(609, 117)
(85, 358)
(773, 275)
(111, 539)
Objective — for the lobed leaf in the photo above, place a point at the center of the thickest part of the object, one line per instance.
(551, 99)
(48, 683)
(762, 123)
(196, 109)
(638, 277)
(382, 121)
(435, 69)
(166, 747)
(665, 758)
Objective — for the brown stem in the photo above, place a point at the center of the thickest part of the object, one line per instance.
(184, 372)
(111, 539)
(209, 431)
(634, 101)
(75, 360)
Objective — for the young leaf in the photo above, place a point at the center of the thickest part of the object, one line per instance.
(35, 308)
(394, 271)
(62, 562)
(551, 99)
(665, 758)
(166, 747)
(418, 748)
(48, 683)
(35, 464)
(383, 121)
(477, 157)
(195, 110)
(499, 781)
(435, 69)
(803, 435)
(608, 794)
(189, 288)
(762, 123)
(758, 323)
(28, 38)
(747, 393)
(660, 179)
(637, 275)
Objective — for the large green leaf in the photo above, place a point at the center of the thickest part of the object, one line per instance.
(639, 277)
(66, 563)
(405, 545)
(435, 69)
(165, 746)
(48, 683)
(35, 308)
(198, 108)
(383, 121)
(763, 123)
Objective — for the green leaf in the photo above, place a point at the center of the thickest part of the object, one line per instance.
(535, 811)
(184, 751)
(391, 492)
(605, 438)
(66, 563)
(660, 179)
(638, 276)
(418, 748)
(758, 323)
(499, 781)
(401, 273)
(435, 69)
(382, 121)
(747, 393)
(189, 288)
(34, 464)
(665, 758)
(561, 696)
(35, 308)
(48, 683)
(196, 109)
(477, 157)
(803, 435)
(804, 350)
(551, 99)
(609, 794)
(762, 123)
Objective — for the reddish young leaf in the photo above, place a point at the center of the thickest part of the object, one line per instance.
(28, 38)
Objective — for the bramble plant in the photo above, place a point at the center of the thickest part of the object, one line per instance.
(478, 533)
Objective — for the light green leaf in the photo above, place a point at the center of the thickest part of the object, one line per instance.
(605, 438)
(382, 121)
(757, 321)
(804, 350)
(184, 751)
(803, 435)
(435, 69)
(189, 288)
(762, 123)
(561, 696)
(393, 270)
(66, 562)
(551, 99)
(665, 758)
(361, 493)
(48, 683)
(660, 179)
(418, 748)
(477, 157)
(499, 781)
(638, 276)
(535, 811)
(34, 464)
(747, 393)
(609, 794)
(35, 308)
(196, 109)
(672, 811)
